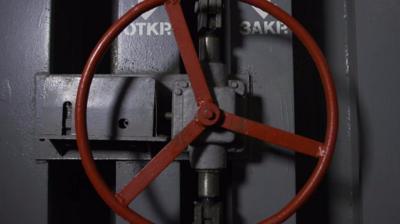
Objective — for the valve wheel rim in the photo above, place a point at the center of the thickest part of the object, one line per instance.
(117, 201)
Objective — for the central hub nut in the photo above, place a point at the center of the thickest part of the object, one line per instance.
(208, 114)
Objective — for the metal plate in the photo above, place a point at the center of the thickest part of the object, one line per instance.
(147, 45)
(185, 108)
(261, 47)
(112, 98)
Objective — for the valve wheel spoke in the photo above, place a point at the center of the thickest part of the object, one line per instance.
(272, 135)
(161, 161)
(188, 52)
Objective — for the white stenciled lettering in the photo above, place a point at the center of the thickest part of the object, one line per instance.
(261, 12)
(269, 27)
(148, 29)
(281, 27)
(165, 28)
(141, 26)
(130, 30)
(263, 28)
(257, 28)
(245, 28)
(152, 29)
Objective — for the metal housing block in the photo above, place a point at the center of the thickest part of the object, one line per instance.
(184, 110)
(119, 107)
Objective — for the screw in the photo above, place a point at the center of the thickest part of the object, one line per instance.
(183, 84)
(123, 123)
(196, 6)
(234, 84)
(168, 115)
(208, 114)
(178, 92)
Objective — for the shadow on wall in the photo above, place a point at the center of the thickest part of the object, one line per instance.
(309, 107)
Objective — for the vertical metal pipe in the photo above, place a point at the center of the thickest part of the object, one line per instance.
(208, 183)
(210, 159)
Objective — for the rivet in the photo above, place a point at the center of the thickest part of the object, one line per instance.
(178, 92)
(234, 84)
(183, 84)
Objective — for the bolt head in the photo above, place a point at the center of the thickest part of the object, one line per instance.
(183, 84)
(234, 84)
(178, 92)
(208, 114)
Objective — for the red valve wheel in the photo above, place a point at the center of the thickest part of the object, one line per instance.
(208, 114)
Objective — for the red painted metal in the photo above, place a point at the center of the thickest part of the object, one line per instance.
(331, 109)
(81, 107)
(166, 156)
(188, 52)
(208, 114)
(272, 135)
